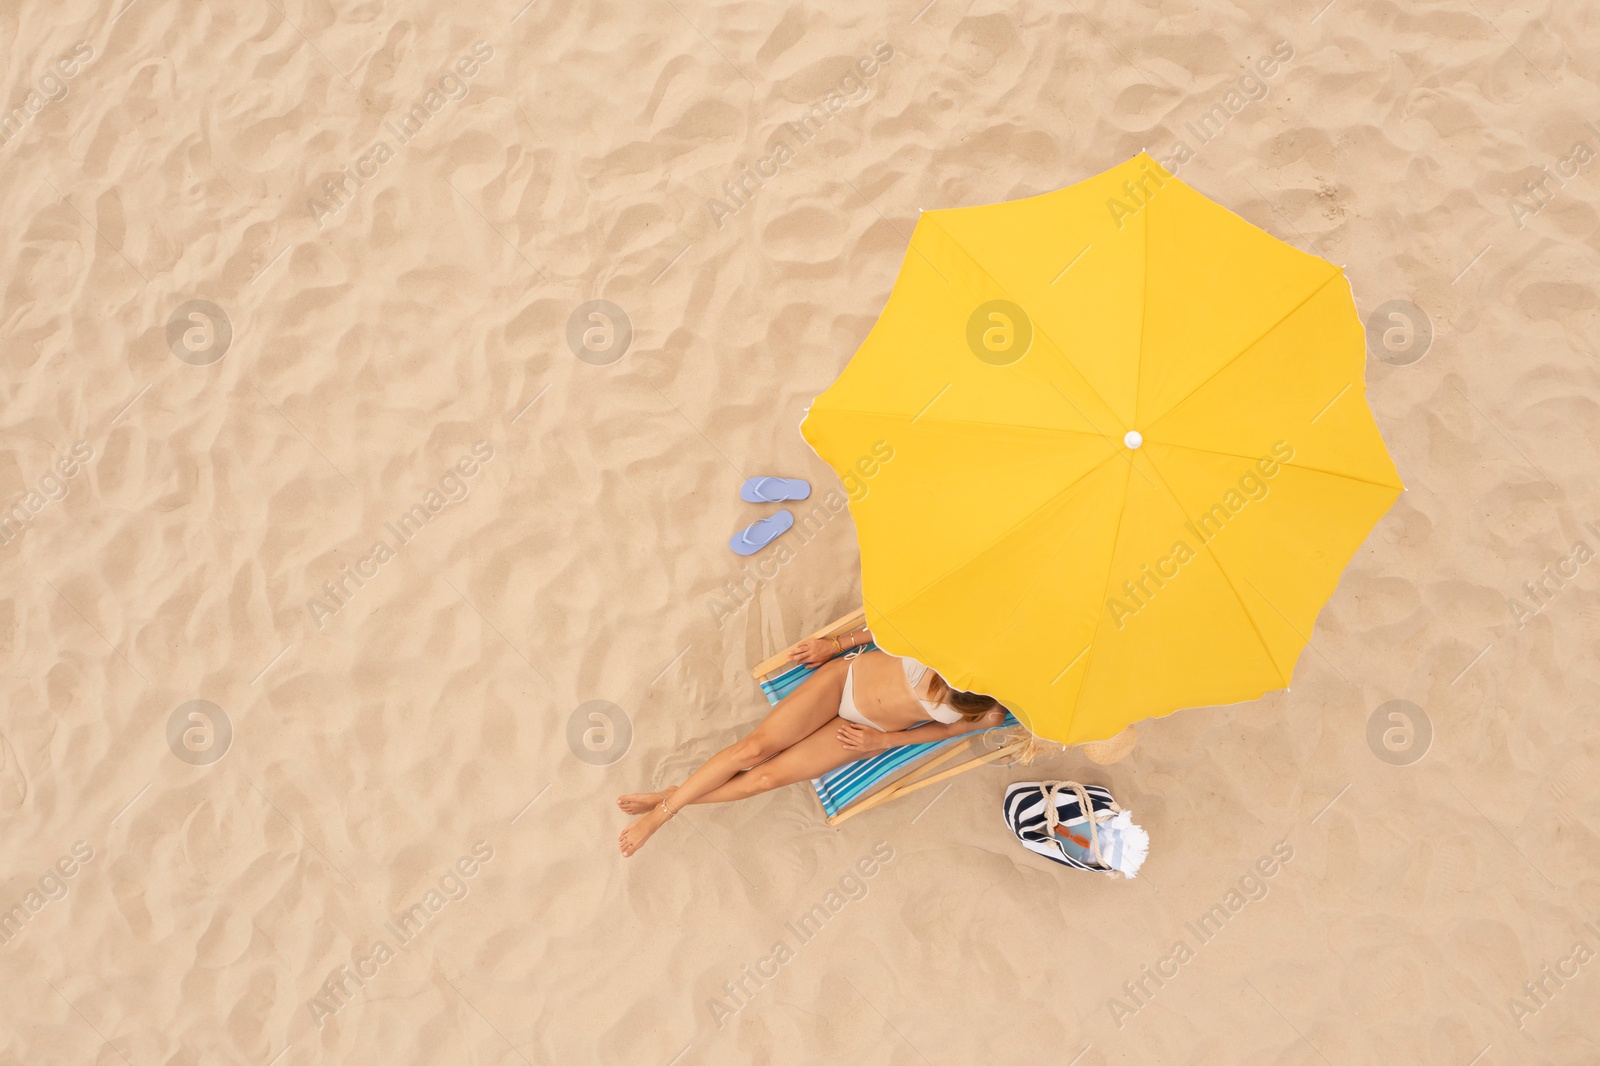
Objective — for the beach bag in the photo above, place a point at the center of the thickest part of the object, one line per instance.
(1080, 826)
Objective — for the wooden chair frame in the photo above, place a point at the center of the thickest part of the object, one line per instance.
(916, 778)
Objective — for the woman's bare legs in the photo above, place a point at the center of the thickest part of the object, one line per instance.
(811, 758)
(799, 715)
(808, 759)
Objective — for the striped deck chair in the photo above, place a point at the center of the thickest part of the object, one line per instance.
(866, 783)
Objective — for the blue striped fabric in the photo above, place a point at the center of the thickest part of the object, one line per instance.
(837, 789)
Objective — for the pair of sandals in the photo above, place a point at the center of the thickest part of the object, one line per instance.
(758, 535)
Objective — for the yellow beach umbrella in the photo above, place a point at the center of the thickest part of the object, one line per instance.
(1107, 451)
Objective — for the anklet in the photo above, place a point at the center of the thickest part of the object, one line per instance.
(669, 810)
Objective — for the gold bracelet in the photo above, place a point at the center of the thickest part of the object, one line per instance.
(839, 648)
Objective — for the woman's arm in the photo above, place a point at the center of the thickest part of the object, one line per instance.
(854, 639)
(860, 738)
(926, 734)
(816, 652)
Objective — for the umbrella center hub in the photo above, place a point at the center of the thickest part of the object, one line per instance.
(1132, 438)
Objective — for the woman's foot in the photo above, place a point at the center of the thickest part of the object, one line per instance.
(639, 802)
(640, 830)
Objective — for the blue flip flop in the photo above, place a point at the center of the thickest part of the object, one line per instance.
(758, 535)
(773, 490)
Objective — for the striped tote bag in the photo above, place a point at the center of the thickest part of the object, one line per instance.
(1079, 826)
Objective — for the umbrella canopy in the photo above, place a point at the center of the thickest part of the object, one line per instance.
(1107, 451)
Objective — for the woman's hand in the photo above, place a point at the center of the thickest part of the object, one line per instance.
(813, 652)
(860, 738)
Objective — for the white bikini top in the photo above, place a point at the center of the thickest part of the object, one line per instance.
(939, 712)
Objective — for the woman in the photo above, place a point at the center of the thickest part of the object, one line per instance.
(848, 709)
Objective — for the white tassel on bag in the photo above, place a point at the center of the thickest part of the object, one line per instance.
(1123, 844)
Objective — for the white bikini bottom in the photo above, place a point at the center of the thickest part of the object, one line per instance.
(847, 701)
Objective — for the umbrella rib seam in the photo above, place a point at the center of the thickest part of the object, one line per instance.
(1265, 650)
(1242, 352)
(1291, 464)
(1040, 331)
(944, 484)
(1012, 528)
(1144, 320)
(1116, 539)
(942, 420)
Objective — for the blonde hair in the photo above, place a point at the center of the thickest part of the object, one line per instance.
(970, 705)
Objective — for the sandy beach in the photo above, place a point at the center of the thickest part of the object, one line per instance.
(379, 384)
